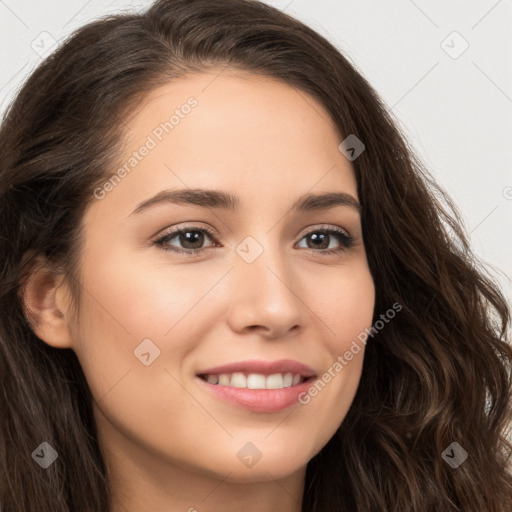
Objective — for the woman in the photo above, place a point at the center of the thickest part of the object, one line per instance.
(227, 284)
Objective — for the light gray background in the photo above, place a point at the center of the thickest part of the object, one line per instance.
(455, 109)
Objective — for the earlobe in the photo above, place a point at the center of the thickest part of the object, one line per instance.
(40, 295)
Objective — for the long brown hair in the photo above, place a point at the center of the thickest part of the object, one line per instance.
(439, 373)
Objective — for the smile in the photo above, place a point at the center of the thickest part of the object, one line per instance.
(259, 386)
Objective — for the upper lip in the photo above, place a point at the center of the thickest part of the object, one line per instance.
(262, 367)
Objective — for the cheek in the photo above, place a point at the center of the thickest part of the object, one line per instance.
(348, 306)
(348, 310)
(138, 300)
(123, 308)
(353, 316)
(125, 303)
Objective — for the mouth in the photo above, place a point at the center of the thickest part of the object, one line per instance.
(258, 386)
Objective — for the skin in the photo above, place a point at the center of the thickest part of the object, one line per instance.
(168, 444)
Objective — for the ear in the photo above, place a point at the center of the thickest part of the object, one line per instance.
(45, 298)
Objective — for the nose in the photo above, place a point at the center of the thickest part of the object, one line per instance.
(265, 298)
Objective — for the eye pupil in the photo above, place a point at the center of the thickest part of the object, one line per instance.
(322, 237)
(192, 237)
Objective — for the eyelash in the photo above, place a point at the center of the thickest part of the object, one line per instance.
(347, 240)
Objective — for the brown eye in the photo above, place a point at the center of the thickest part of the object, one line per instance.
(191, 240)
(320, 240)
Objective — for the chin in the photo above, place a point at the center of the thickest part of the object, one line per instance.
(275, 463)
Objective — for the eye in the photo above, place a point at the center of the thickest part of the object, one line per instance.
(192, 239)
(321, 239)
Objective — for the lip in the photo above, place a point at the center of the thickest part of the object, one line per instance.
(262, 367)
(260, 400)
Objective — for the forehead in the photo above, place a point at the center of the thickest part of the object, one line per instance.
(230, 130)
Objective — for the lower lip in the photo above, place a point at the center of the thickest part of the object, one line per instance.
(260, 400)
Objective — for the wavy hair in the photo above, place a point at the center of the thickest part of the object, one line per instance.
(439, 373)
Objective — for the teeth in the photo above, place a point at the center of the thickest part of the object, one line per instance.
(275, 381)
(288, 380)
(255, 380)
(238, 380)
(224, 379)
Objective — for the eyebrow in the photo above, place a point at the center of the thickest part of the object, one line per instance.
(226, 201)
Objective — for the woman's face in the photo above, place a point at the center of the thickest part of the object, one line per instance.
(262, 288)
